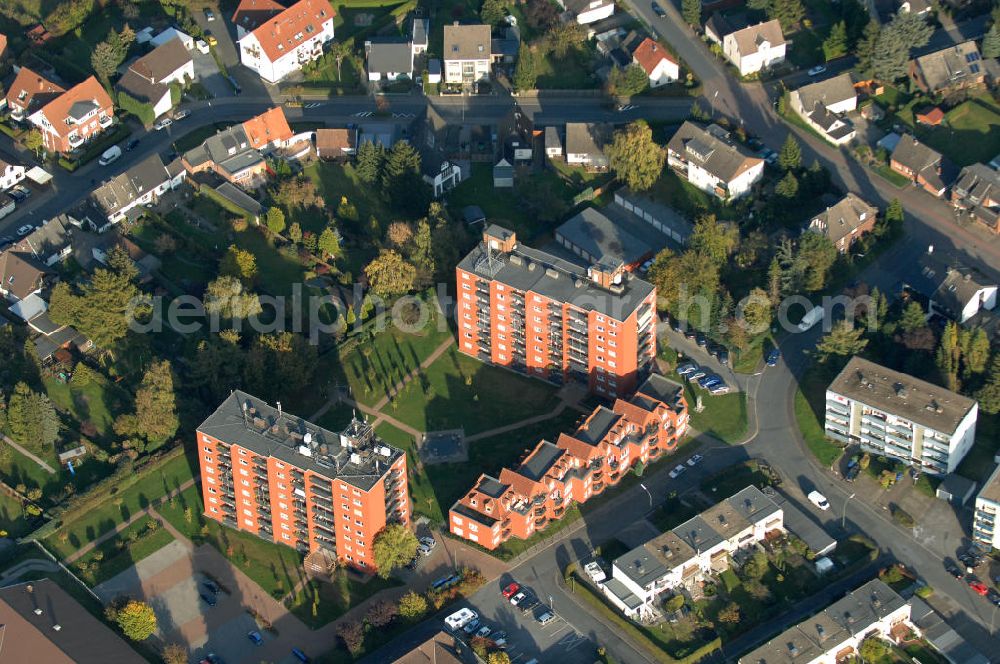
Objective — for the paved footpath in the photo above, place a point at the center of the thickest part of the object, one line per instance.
(111, 534)
(46, 467)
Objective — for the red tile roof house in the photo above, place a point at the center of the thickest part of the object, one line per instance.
(596, 456)
(275, 42)
(29, 92)
(659, 66)
(74, 117)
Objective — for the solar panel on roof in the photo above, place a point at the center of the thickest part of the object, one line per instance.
(974, 69)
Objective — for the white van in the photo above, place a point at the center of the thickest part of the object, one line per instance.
(812, 317)
(460, 619)
(110, 155)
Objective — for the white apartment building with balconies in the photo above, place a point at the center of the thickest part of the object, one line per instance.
(984, 520)
(894, 414)
(699, 546)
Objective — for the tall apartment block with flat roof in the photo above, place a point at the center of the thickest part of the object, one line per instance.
(533, 312)
(985, 529)
(286, 480)
(902, 417)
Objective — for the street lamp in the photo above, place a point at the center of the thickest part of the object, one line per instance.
(843, 518)
(643, 487)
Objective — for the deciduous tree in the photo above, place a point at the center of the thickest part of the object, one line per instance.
(635, 157)
(412, 605)
(136, 620)
(389, 274)
(394, 547)
(730, 614)
(226, 297)
(239, 263)
(174, 653)
(381, 614)
(627, 81)
(540, 15)
(565, 36)
(715, 240)
(844, 340)
(329, 243)
(492, 11)
(275, 220)
(352, 633)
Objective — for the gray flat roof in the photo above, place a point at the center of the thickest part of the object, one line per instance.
(540, 461)
(597, 426)
(591, 231)
(902, 395)
(641, 565)
(356, 455)
(624, 595)
(527, 269)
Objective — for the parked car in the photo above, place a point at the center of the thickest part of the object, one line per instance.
(180, 115)
(299, 655)
(208, 598)
(709, 381)
(697, 375)
(528, 604)
(424, 550)
(472, 626)
(131, 145)
(657, 9)
(678, 471)
(511, 590)
(686, 368)
(21, 189)
(518, 598)
(17, 196)
(719, 389)
(978, 587)
(110, 155)
(210, 38)
(817, 70)
(723, 356)
(162, 123)
(954, 571)
(255, 638)
(484, 631)
(852, 473)
(819, 500)
(700, 339)
(209, 14)
(25, 229)
(546, 616)
(773, 356)
(211, 587)
(202, 46)
(695, 460)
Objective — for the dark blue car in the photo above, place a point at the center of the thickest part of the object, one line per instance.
(773, 357)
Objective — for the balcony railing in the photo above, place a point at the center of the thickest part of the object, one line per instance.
(105, 121)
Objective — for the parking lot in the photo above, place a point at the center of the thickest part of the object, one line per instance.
(527, 638)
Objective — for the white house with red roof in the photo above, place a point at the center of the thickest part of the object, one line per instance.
(276, 42)
(658, 64)
(75, 116)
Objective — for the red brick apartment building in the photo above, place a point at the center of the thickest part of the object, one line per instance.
(577, 467)
(536, 313)
(286, 480)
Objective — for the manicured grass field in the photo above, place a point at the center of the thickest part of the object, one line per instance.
(104, 517)
(334, 599)
(970, 133)
(464, 392)
(575, 71)
(724, 416)
(11, 517)
(274, 567)
(812, 431)
(96, 402)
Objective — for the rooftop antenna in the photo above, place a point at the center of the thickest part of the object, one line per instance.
(246, 422)
(279, 408)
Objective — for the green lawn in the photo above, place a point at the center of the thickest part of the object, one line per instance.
(337, 180)
(970, 132)
(134, 544)
(724, 416)
(809, 403)
(97, 402)
(459, 391)
(276, 272)
(334, 599)
(11, 517)
(575, 71)
(892, 176)
(687, 199)
(326, 77)
(372, 366)
(119, 508)
(274, 567)
(751, 357)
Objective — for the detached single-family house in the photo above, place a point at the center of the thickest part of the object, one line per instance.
(169, 35)
(585, 143)
(467, 54)
(388, 60)
(148, 79)
(441, 152)
(280, 44)
(707, 158)
(269, 130)
(10, 174)
(755, 48)
(21, 276)
(977, 193)
(74, 117)
(824, 105)
(553, 143)
(123, 195)
(919, 163)
(51, 242)
(336, 143)
(659, 66)
(844, 222)
(954, 290)
(949, 70)
(588, 11)
(29, 92)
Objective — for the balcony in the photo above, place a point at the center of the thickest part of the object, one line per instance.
(75, 140)
(105, 121)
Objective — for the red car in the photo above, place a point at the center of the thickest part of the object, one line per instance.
(979, 587)
(510, 590)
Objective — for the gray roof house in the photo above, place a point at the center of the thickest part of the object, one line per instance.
(51, 242)
(389, 60)
(585, 142)
(977, 193)
(955, 291)
(824, 105)
(709, 159)
(845, 221)
(125, 193)
(920, 164)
